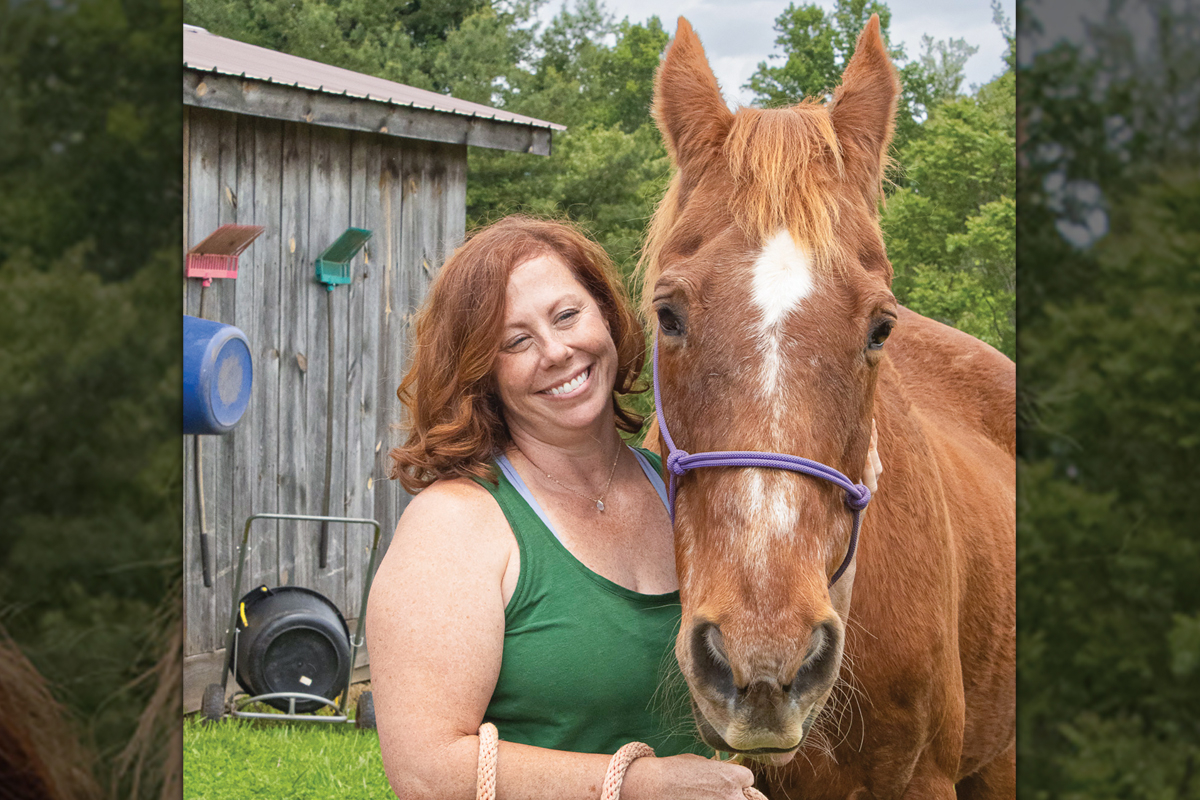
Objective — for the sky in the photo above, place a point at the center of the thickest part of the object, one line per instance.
(739, 35)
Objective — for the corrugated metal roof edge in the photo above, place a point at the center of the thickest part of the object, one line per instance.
(554, 126)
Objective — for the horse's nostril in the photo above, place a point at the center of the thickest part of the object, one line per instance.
(820, 659)
(711, 661)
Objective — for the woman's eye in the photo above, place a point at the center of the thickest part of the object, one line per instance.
(568, 315)
(516, 344)
(879, 335)
(669, 322)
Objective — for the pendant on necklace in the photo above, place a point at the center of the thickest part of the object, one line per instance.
(599, 505)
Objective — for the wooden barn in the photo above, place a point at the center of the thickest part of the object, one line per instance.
(306, 151)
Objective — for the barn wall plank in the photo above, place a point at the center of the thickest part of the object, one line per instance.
(324, 224)
(248, 290)
(294, 321)
(317, 343)
(266, 141)
(417, 261)
(203, 212)
(219, 451)
(339, 220)
(363, 338)
(454, 199)
(392, 321)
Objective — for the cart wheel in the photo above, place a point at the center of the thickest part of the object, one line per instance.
(212, 706)
(364, 712)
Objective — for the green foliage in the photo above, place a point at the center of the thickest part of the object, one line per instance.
(818, 44)
(89, 374)
(813, 65)
(461, 47)
(609, 168)
(90, 477)
(1108, 601)
(951, 228)
(84, 152)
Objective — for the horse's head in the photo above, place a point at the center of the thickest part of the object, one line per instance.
(766, 271)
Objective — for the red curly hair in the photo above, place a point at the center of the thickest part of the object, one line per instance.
(455, 419)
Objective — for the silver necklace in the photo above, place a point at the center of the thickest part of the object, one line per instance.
(599, 501)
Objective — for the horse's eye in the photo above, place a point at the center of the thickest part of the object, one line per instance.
(669, 322)
(879, 335)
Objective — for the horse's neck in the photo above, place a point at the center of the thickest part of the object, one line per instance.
(956, 381)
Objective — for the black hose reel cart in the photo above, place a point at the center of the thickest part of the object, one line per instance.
(290, 647)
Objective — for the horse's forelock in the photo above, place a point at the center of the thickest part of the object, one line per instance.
(786, 168)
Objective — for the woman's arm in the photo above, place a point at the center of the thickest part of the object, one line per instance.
(435, 631)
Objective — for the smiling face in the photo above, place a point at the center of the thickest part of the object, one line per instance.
(557, 362)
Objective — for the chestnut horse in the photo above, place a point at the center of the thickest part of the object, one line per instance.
(766, 272)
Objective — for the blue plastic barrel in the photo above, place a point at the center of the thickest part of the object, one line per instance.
(217, 375)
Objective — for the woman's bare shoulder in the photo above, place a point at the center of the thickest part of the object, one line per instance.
(451, 505)
(451, 524)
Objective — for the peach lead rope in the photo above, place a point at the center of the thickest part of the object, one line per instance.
(489, 742)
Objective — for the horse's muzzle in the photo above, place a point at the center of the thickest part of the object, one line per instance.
(767, 715)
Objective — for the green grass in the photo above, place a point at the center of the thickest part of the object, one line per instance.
(236, 759)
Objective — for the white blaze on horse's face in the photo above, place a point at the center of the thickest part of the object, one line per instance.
(782, 277)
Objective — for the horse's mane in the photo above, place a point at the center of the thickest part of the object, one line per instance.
(785, 165)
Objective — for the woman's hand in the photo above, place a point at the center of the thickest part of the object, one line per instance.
(874, 467)
(685, 777)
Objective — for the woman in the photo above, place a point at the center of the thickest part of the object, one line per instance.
(531, 582)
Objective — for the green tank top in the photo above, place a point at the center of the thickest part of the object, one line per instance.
(588, 665)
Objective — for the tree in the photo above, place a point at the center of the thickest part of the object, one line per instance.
(950, 229)
(90, 227)
(463, 47)
(1108, 604)
(817, 45)
(609, 168)
(1110, 653)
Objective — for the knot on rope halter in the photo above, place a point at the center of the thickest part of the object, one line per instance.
(673, 462)
(857, 499)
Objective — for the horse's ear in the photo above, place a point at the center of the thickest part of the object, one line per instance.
(864, 106)
(687, 102)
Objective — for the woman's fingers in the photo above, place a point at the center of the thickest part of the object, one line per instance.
(686, 777)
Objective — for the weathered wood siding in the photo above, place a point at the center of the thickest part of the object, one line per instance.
(306, 184)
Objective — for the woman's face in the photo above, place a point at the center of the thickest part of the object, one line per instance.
(557, 362)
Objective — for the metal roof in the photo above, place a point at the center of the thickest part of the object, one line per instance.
(207, 52)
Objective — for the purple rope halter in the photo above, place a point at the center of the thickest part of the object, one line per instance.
(680, 461)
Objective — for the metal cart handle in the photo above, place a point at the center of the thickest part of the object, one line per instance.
(355, 641)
